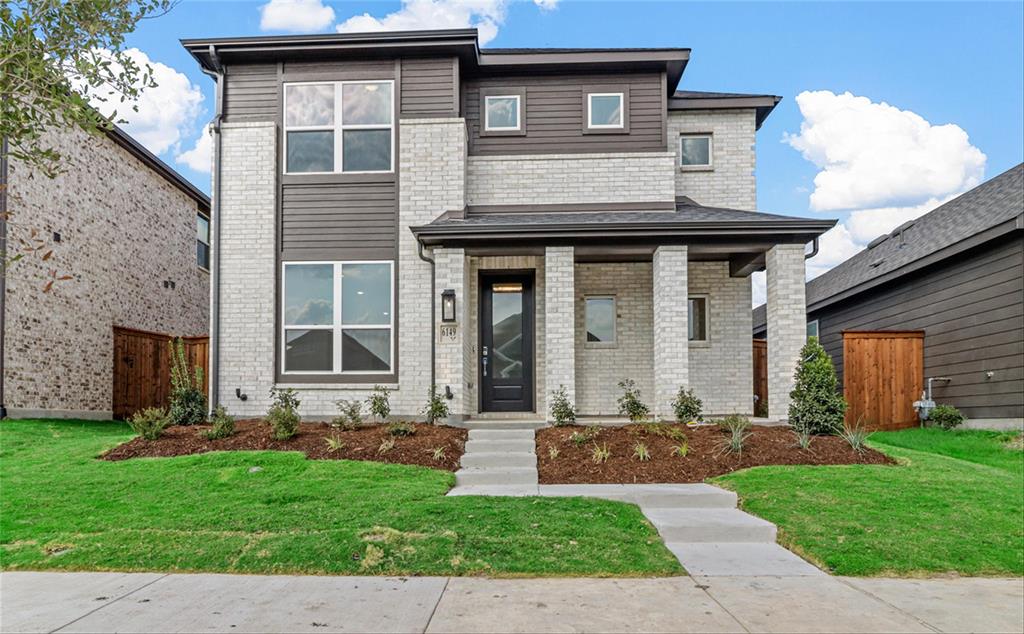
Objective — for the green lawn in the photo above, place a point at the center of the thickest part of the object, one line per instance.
(60, 508)
(955, 504)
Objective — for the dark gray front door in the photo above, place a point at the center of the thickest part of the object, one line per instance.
(506, 342)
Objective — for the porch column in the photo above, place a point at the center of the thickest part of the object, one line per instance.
(559, 325)
(671, 327)
(787, 322)
(450, 358)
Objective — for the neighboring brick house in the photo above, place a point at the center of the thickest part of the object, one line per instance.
(406, 208)
(133, 233)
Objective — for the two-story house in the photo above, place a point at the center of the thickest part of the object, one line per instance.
(408, 209)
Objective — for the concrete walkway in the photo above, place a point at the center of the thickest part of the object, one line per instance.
(108, 602)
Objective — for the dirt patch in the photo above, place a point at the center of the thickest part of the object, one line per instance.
(705, 456)
(436, 446)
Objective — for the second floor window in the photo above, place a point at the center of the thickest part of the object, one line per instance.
(695, 150)
(605, 110)
(345, 126)
(203, 242)
(501, 112)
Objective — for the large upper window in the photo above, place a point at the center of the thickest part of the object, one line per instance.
(203, 241)
(600, 319)
(605, 110)
(337, 317)
(695, 150)
(698, 321)
(345, 126)
(502, 113)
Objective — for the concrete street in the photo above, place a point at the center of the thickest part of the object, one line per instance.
(112, 602)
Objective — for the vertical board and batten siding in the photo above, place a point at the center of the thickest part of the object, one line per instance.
(251, 93)
(555, 115)
(430, 87)
(971, 309)
(883, 376)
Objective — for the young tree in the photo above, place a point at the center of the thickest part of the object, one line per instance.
(816, 406)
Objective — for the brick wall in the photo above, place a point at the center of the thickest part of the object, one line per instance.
(787, 322)
(671, 315)
(124, 230)
(559, 324)
(730, 182)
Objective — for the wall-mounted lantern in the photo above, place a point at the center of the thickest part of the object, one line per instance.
(448, 305)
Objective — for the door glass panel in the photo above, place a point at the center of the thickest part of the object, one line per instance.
(507, 329)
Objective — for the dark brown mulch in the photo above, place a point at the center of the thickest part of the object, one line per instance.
(705, 457)
(361, 444)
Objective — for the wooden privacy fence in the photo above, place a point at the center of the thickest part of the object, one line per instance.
(142, 368)
(883, 374)
(761, 375)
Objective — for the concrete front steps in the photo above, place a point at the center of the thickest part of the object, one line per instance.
(498, 462)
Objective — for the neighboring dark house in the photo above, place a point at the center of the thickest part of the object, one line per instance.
(957, 274)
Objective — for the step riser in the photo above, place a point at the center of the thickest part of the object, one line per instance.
(498, 460)
(695, 501)
(500, 425)
(494, 446)
(471, 478)
(713, 533)
(501, 434)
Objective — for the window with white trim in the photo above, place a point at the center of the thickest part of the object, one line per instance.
(695, 150)
(599, 318)
(203, 242)
(342, 126)
(698, 321)
(502, 113)
(337, 318)
(605, 110)
(812, 329)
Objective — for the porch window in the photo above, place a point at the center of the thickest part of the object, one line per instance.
(695, 151)
(337, 317)
(599, 313)
(344, 126)
(698, 321)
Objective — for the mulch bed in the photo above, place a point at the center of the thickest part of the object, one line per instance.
(361, 444)
(705, 457)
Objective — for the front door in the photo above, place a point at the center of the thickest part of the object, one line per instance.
(506, 342)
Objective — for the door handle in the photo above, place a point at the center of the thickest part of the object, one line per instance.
(483, 359)
(485, 365)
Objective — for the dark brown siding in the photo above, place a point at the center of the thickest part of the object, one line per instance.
(338, 221)
(555, 116)
(348, 70)
(429, 88)
(250, 93)
(971, 309)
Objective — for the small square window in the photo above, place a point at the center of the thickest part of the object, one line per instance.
(812, 329)
(600, 319)
(698, 321)
(605, 110)
(695, 150)
(501, 112)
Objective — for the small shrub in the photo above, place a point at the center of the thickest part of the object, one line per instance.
(687, 406)
(816, 405)
(283, 414)
(379, 404)
(223, 425)
(150, 422)
(641, 452)
(553, 452)
(350, 415)
(730, 424)
(580, 438)
(438, 454)
(946, 417)
(803, 439)
(681, 449)
(334, 443)
(737, 427)
(601, 454)
(855, 435)
(386, 445)
(436, 407)
(562, 410)
(630, 404)
(402, 429)
(188, 403)
(671, 432)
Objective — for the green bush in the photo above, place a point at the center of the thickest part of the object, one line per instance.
(188, 402)
(150, 422)
(283, 414)
(436, 407)
(816, 406)
(402, 429)
(223, 425)
(630, 404)
(350, 415)
(562, 410)
(687, 406)
(378, 403)
(945, 416)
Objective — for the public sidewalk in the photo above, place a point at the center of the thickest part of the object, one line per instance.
(141, 602)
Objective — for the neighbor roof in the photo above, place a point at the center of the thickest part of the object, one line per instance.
(996, 205)
(701, 100)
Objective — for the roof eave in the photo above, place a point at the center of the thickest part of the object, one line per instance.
(762, 104)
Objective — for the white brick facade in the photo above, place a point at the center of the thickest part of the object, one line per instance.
(671, 331)
(451, 272)
(570, 178)
(560, 323)
(730, 182)
(787, 322)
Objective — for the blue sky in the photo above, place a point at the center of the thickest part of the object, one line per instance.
(948, 63)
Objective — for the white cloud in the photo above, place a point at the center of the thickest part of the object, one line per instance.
(165, 113)
(484, 15)
(874, 154)
(200, 156)
(295, 15)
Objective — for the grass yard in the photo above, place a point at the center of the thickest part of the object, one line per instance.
(277, 512)
(955, 505)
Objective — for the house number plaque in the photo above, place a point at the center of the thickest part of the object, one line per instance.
(448, 332)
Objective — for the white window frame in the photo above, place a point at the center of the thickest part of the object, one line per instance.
(615, 321)
(707, 320)
(337, 326)
(209, 252)
(817, 329)
(338, 127)
(519, 114)
(622, 111)
(711, 150)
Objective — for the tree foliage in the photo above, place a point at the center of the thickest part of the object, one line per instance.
(816, 406)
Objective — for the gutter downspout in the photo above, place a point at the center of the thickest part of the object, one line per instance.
(3, 270)
(214, 372)
(433, 339)
(814, 250)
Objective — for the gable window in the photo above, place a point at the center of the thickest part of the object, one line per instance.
(606, 110)
(344, 126)
(812, 329)
(698, 321)
(203, 242)
(501, 113)
(695, 150)
(337, 318)
(599, 316)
